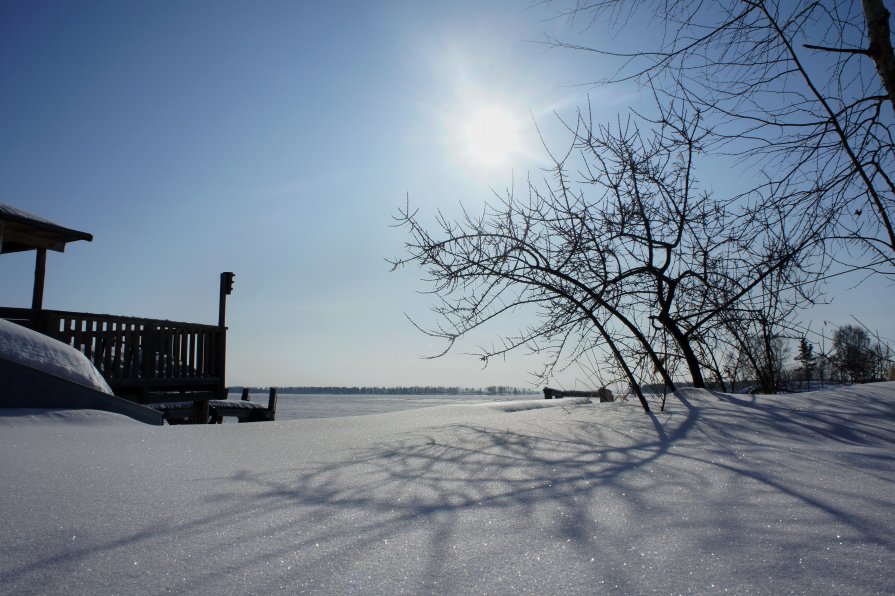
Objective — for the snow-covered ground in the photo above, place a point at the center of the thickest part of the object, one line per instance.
(719, 493)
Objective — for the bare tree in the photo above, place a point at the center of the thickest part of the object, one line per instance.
(626, 255)
(762, 359)
(803, 91)
(756, 330)
(883, 360)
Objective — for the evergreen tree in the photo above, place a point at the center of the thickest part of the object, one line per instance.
(806, 358)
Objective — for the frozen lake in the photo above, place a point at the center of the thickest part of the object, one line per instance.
(324, 405)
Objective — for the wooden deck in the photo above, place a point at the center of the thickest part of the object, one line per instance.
(144, 360)
(175, 367)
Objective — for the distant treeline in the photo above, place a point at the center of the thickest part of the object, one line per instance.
(414, 390)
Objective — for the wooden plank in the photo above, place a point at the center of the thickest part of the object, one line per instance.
(133, 353)
(85, 337)
(185, 383)
(195, 364)
(139, 351)
(120, 348)
(183, 358)
(189, 368)
(173, 345)
(163, 354)
(21, 316)
(114, 344)
(124, 342)
(108, 335)
(83, 333)
(161, 323)
(148, 347)
(173, 352)
(200, 353)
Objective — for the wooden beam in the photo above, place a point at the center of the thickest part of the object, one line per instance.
(226, 288)
(40, 272)
(25, 231)
(17, 237)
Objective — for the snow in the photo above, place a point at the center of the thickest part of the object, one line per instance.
(769, 494)
(29, 348)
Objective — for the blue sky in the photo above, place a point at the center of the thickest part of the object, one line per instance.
(275, 140)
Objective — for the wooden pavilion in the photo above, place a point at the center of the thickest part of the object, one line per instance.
(21, 231)
(148, 361)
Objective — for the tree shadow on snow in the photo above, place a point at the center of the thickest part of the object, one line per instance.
(437, 502)
(583, 487)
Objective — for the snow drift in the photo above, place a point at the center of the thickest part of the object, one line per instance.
(29, 348)
(718, 493)
(40, 372)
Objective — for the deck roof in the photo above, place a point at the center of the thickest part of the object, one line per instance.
(21, 231)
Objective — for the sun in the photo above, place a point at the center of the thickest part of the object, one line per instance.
(491, 135)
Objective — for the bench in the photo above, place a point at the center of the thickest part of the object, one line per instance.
(184, 412)
(603, 393)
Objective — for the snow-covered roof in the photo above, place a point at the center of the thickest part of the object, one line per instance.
(20, 230)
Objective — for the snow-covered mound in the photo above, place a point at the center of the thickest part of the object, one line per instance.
(522, 405)
(12, 417)
(29, 348)
(719, 493)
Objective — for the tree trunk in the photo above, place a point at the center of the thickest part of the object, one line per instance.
(880, 44)
(635, 386)
(684, 344)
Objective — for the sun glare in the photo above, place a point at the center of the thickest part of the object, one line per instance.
(491, 135)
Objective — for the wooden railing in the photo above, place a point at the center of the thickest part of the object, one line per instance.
(137, 356)
(22, 316)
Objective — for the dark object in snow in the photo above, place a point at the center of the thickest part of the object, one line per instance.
(183, 412)
(244, 410)
(603, 393)
(23, 386)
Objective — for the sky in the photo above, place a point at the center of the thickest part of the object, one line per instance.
(277, 140)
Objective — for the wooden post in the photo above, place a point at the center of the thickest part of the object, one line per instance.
(245, 394)
(201, 410)
(272, 403)
(201, 414)
(40, 272)
(226, 289)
